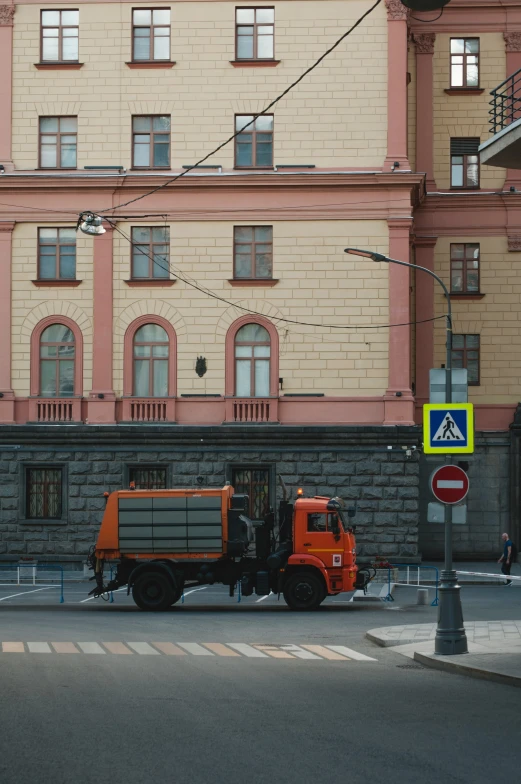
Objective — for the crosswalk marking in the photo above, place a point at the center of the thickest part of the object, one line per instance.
(350, 653)
(13, 647)
(220, 649)
(247, 650)
(271, 650)
(39, 647)
(299, 652)
(117, 647)
(195, 649)
(64, 647)
(215, 649)
(169, 649)
(143, 648)
(91, 647)
(325, 652)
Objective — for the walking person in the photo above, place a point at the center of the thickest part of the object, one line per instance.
(507, 557)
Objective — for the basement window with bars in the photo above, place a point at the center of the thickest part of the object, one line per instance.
(464, 162)
(255, 483)
(148, 477)
(43, 492)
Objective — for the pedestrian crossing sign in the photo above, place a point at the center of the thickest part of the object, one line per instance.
(448, 428)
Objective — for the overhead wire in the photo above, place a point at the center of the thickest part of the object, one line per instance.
(194, 284)
(254, 117)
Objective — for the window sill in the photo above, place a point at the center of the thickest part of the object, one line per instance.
(60, 282)
(464, 296)
(254, 168)
(151, 169)
(154, 282)
(58, 66)
(465, 188)
(254, 63)
(253, 281)
(151, 64)
(42, 521)
(464, 91)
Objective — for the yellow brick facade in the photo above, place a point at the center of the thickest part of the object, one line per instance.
(317, 283)
(337, 117)
(465, 115)
(495, 318)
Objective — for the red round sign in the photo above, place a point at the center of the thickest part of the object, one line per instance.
(450, 484)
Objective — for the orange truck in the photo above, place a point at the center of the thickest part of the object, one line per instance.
(163, 541)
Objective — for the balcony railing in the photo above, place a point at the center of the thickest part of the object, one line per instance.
(55, 410)
(505, 103)
(252, 409)
(148, 409)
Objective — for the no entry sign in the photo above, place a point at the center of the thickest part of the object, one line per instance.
(450, 484)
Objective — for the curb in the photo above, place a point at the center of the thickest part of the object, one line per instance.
(383, 643)
(465, 669)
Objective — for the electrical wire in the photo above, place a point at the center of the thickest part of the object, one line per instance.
(417, 18)
(207, 292)
(254, 117)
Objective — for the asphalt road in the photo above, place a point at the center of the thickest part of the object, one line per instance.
(94, 715)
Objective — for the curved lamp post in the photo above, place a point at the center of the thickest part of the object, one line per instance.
(450, 632)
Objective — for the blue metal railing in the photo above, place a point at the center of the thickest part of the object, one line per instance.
(35, 569)
(505, 103)
(417, 584)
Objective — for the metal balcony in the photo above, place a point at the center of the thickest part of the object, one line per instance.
(504, 148)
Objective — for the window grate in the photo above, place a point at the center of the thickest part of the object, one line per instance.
(464, 146)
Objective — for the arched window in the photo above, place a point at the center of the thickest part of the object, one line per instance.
(57, 358)
(252, 361)
(151, 357)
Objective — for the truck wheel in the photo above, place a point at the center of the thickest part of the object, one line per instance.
(304, 591)
(153, 591)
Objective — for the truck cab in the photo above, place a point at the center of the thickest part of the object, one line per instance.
(324, 549)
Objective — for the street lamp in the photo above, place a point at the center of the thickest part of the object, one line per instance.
(450, 632)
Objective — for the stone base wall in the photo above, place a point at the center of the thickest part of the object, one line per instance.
(488, 503)
(367, 466)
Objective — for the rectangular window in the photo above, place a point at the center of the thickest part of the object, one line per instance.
(255, 31)
(464, 268)
(149, 477)
(151, 142)
(464, 163)
(59, 41)
(150, 34)
(56, 254)
(255, 483)
(464, 62)
(465, 354)
(253, 252)
(254, 146)
(150, 252)
(58, 142)
(43, 493)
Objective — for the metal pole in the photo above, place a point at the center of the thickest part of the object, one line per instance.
(450, 632)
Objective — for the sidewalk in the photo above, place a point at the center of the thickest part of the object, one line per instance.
(494, 648)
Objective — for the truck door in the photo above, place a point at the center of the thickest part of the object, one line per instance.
(323, 538)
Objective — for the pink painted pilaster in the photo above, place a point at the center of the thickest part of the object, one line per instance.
(399, 402)
(396, 85)
(6, 83)
(424, 43)
(424, 310)
(7, 399)
(101, 404)
(513, 64)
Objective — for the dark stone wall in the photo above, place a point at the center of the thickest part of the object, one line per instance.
(366, 465)
(488, 502)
